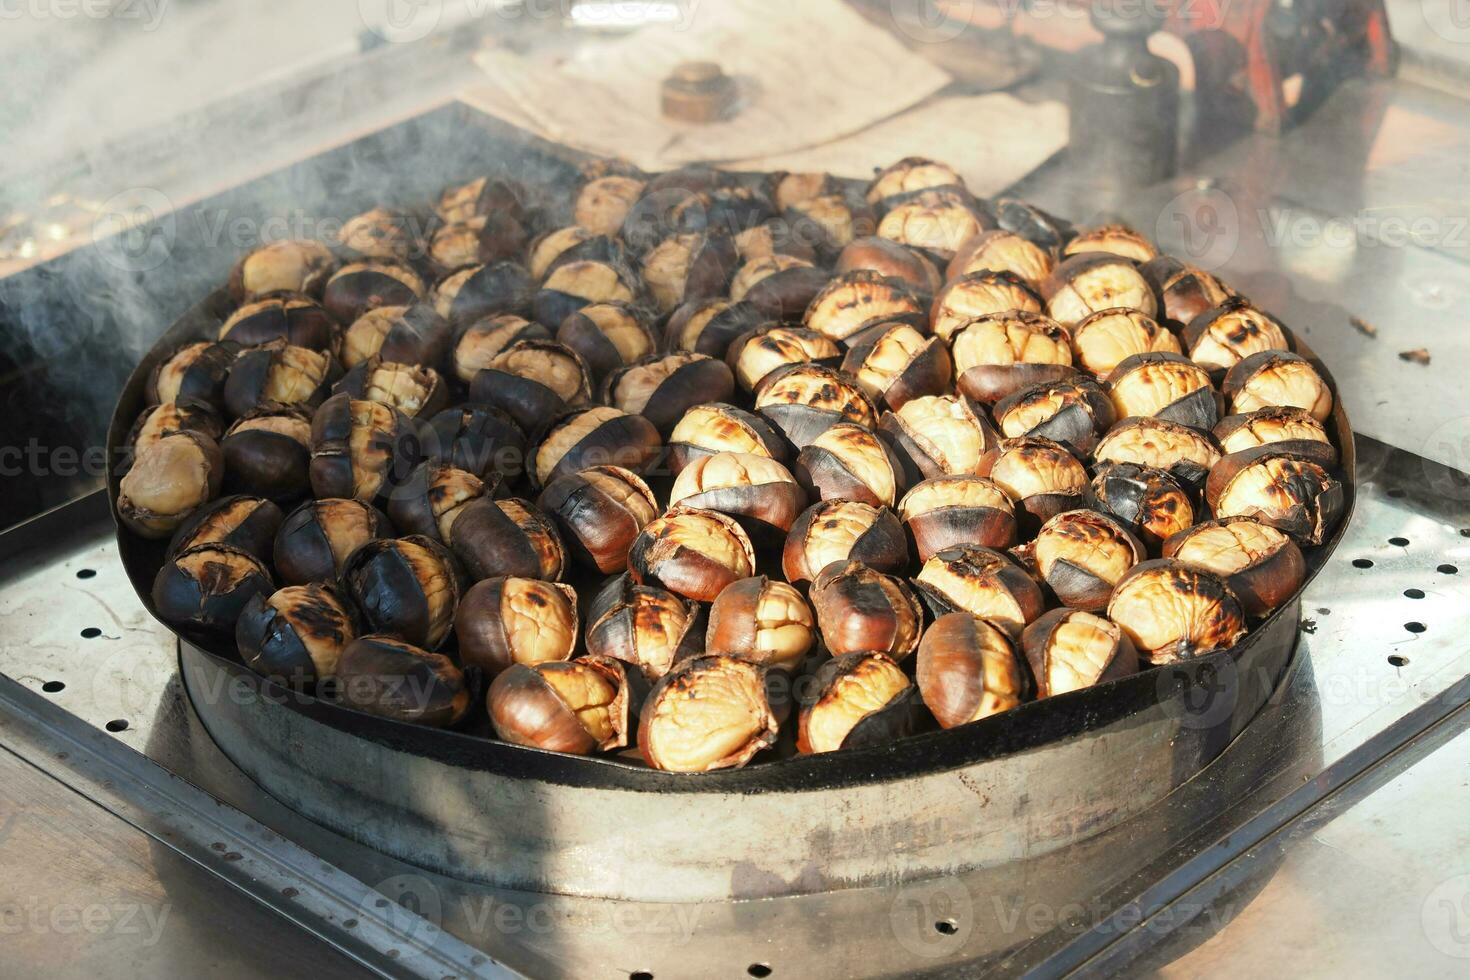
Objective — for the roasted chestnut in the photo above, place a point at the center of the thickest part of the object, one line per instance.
(1275, 378)
(269, 453)
(948, 511)
(361, 286)
(688, 267)
(479, 240)
(410, 388)
(786, 188)
(1093, 281)
(293, 265)
(857, 700)
(981, 582)
(316, 538)
(1069, 649)
(1002, 251)
(576, 283)
(1074, 413)
(247, 523)
(757, 491)
(980, 294)
(648, 628)
(1106, 338)
(296, 634)
(359, 447)
(1114, 240)
(692, 553)
(1186, 454)
(707, 713)
(1042, 229)
(291, 317)
(1172, 611)
(720, 428)
(1149, 502)
(842, 530)
(597, 436)
(579, 706)
(909, 176)
(967, 670)
(757, 354)
(381, 233)
(761, 620)
(505, 537)
(603, 204)
(888, 258)
(484, 290)
(937, 221)
(774, 236)
(532, 381)
(1081, 555)
(481, 196)
(158, 421)
(1184, 291)
(278, 375)
(404, 587)
(193, 373)
(999, 354)
(778, 286)
(899, 363)
(391, 678)
(484, 340)
(607, 336)
(849, 462)
(1261, 564)
(861, 609)
(805, 400)
(208, 586)
(426, 500)
(1290, 493)
(405, 334)
(1287, 429)
(1040, 475)
(167, 482)
(1166, 386)
(859, 300)
(600, 511)
(939, 435)
(508, 620)
(479, 438)
(1221, 338)
(830, 222)
(567, 244)
(709, 326)
(662, 389)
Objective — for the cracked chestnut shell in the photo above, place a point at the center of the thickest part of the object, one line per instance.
(1262, 565)
(999, 354)
(194, 373)
(662, 389)
(939, 222)
(1042, 476)
(688, 267)
(967, 669)
(759, 353)
(157, 421)
(167, 482)
(600, 511)
(857, 700)
(888, 258)
(829, 222)
(1166, 386)
(1222, 337)
(608, 336)
(480, 196)
(278, 375)
(416, 391)
(939, 435)
(692, 553)
(1091, 281)
(505, 537)
(761, 620)
(999, 250)
(247, 523)
(581, 706)
(508, 620)
(979, 294)
(484, 340)
(315, 539)
(603, 204)
(479, 438)
(1081, 555)
(206, 587)
(710, 326)
(575, 283)
(391, 678)
(1275, 378)
(296, 634)
(898, 364)
(572, 243)
(533, 380)
(1074, 413)
(1032, 223)
(291, 317)
(293, 265)
(759, 493)
(426, 501)
(1285, 428)
(860, 610)
(1184, 291)
(707, 713)
(1186, 454)
(804, 400)
(1172, 611)
(719, 428)
(909, 176)
(597, 436)
(785, 188)
(478, 291)
(774, 236)
(1106, 338)
(269, 453)
(948, 511)
(849, 462)
(1287, 492)
(842, 530)
(482, 239)
(359, 448)
(405, 334)
(1149, 502)
(981, 582)
(1114, 239)
(646, 627)
(382, 233)
(1069, 649)
(858, 300)
(404, 587)
(361, 286)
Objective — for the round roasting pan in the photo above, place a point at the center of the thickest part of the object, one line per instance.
(1014, 786)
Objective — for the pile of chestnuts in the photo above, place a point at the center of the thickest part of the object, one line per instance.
(699, 469)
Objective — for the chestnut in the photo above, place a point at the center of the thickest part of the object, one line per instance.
(167, 482)
(939, 435)
(207, 586)
(1040, 475)
(909, 176)
(1069, 649)
(381, 233)
(484, 340)
(707, 713)
(842, 530)
(1186, 454)
(296, 634)
(576, 283)
(979, 294)
(425, 502)
(1172, 611)
(1074, 413)
(999, 250)
(1149, 502)
(981, 582)
(967, 670)
(774, 236)
(948, 511)
(1184, 291)
(361, 286)
(688, 267)
(758, 492)
(533, 380)
(1276, 378)
(479, 291)
(567, 244)
(389, 677)
(315, 539)
(607, 336)
(829, 222)
(1093, 281)
(603, 204)
(505, 537)
(858, 300)
(1261, 564)
(646, 627)
(857, 700)
(888, 258)
(850, 462)
(1166, 386)
(597, 436)
(405, 334)
(692, 553)
(414, 390)
(480, 196)
(937, 221)
(1104, 339)
(786, 188)
(404, 587)
(247, 523)
(1042, 229)
(600, 511)
(269, 453)
(860, 609)
(899, 363)
(720, 428)
(479, 438)
(579, 707)
(999, 354)
(1288, 429)
(290, 317)
(779, 286)
(289, 266)
(1081, 555)
(194, 373)
(278, 375)
(662, 389)
(1221, 338)
(507, 620)
(761, 620)
(483, 239)
(758, 353)
(157, 421)
(804, 400)
(1113, 239)
(358, 448)
(1290, 493)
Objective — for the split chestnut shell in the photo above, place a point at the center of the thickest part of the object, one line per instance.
(981, 582)
(167, 482)
(580, 706)
(1275, 378)
(1104, 339)
(1290, 493)
(405, 587)
(1284, 428)
(849, 462)
(1263, 566)
(662, 389)
(600, 511)
(1173, 611)
(692, 553)
(391, 678)
(315, 539)
(719, 428)
(839, 530)
(761, 620)
(860, 609)
(597, 436)
(1091, 281)
(1166, 386)
(898, 363)
(1069, 649)
(805, 400)
(999, 354)
(507, 620)
(948, 511)
(1149, 502)
(707, 713)
(506, 537)
(646, 627)
(759, 493)
(967, 670)
(856, 700)
(296, 635)
(1081, 555)
(207, 587)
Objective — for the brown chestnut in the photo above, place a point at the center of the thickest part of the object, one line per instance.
(603, 204)
(692, 553)
(707, 713)
(1002, 251)
(1184, 453)
(1074, 413)
(1081, 555)
(485, 238)
(860, 609)
(786, 188)
(761, 620)
(278, 375)
(909, 176)
(508, 620)
(426, 500)
(296, 634)
(999, 354)
(167, 482)
(1287, 429)
(391, 678)
(247, 523)
(842, 530)
(888, 258)
(1104, 339)
(600, 511)
(1184, 291)
(1261, 564)
(646, 627)
(778, 286)
(597, 436)
(1172, 611)
(382, 233)
(1275, 378)
(804, 400)
(719, 428)
(710, 326)
(1113, 239)
(533, 380)
(662, 389)
(404, 587)
(505, 537)
(850, 462)
(1030, 222)
(857, 700)
(937, 221)
(774, 236)
(1221, 338)
(566, 244)
(1290, 493)
(899, 363)
(269, 453)
(405, 334)
(688, 267)
(580, 707)
(829, 222)
(967, 670)
(981, 582)
(479, 438)
(1069, 649)
(758, 353)
(855, 301)
(1042, 476)
(758, 492)
(207, 586)
(358, 448)
(479, 291)
(290, 317)
(293, 265)
(414, 390)
(575, 283)
(1166, 386)
(939, 435)
(480, 196)
(979, 294)
(482, 341)
(1149, 502)
(1093, 281)
(315, 539)
(608, 336)
(157, 421)
(948, 511)
(361, 286)
(193, 373)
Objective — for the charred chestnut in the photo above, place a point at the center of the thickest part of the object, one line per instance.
(842, 530)
(598, 436)
(1074, 413)
(719, 428)
(786, 188)
(505, 537)
(1221, 338)
(779, 286)
(829, 222)
(580, 706)
(1042, 476)
(315, 539)
(774, 236)
(391, 678)
(1114, 240)
(404, 587)
(758, 492)
(1287, 429)
(710, 326)
(479, 438)
(910, 176)
(861, 609)
(167, 482)
(208, 586)
(968, 670)
(1166, 386)
(1081, 555)
(981, 582)
(193, 373)
(481, 196)
(692, 553)
(361, 286)
(483, 290)
(1261, 564)
(1106, 338)
(857, 700)
(294, 266)
(1275, 378)
(1172, 611)
(405, 334)
(507, 620)
(948, 511)
(566, 244)
(1185, 292)
(688, 267)
(805, 400)
(899, 363)
(1069, 649)
(1186, 454)
(576, 283)
(858, 300)
(939, 435)
(484, 340)
(532, 381)
(1042, 229)
(358, 448)
(1093, 281)
(850, 462)
(278, 375)
(997, 355)
(247, 523)
(662, 389)
(292, 318)
(600, 511)
(888, 258)
(763, 621)
(269, 453)
(426, 501)
(381, 233)
(757, 354)
(980, 294)
(410, 388)
(603, 204)
(158, 421)
(1149, 502)
(607, 336)
(1290, 493)
(296, 634)
(483, 239)
(648, 628)
(937, 221)
(707, 713)
(1002, 251)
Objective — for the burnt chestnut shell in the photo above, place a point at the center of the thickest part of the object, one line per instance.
(157, 421)
(1287, 492)
(720, 428)
(710, 326)
(898, 363)
(277, 375)
(478, 438)
(758, 353)
(1074, 413)
(1081, 555)
(646, 627)
(662, 389)
(1275, 378)
(856, 700)
(479, 343)
(689, 266)
(532, 381)
(804, 400)
(391, 678)
(292, 318)
(507, 620)
(761, 620)
(948, 511)
(600, 511)
(707, 713)
(1186, 454)
(1222, 337)
(840, 530)
(1287, 429)
(1184, 291)
(247, 523)
(982, 582)
(1262, 565)
(426, 500)
(207, 587)
(1042, 476)
(414, 390)
(483, 290)
(608, 336)
(579, 707)
(967, 669)
(269, 453)
(404, 587)
(359, 448)
(758, 492)
(889, 258)
(1002, 353)
(292, 265)
(780, 287)
(849, 462)
(1147, 501)
(573, 284)
(597, 436)
(1172, 611)
(315, 539)
(692, 553)
(856, 301)
(1088, 282)
(860, 610)
(939, 435)
(194, 373)
(1068, 649)
(361, 286)
(296, 635)
(506, 537)
(1165, 386)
